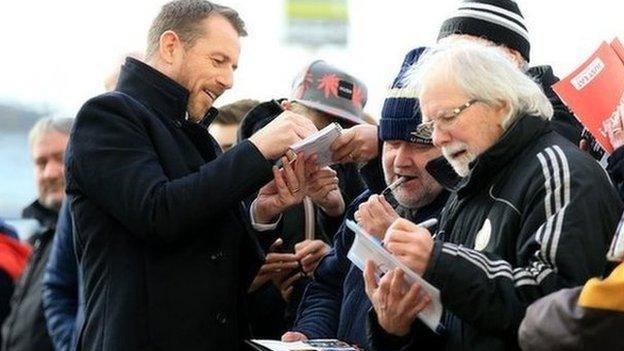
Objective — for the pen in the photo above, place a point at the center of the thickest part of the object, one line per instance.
(393, 186)
(425, 224)
(428, 223)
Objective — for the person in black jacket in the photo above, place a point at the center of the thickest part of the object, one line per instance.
(25, 327)
(530, 213)
(324, 94)
(165, 248)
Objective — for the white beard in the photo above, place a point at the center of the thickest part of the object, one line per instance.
(461, 164)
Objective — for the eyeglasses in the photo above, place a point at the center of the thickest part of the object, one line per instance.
(445, 120)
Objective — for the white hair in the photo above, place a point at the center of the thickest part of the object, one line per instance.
(485, 74)
(50, 124)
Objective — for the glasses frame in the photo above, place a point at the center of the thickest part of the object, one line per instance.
(447, 118)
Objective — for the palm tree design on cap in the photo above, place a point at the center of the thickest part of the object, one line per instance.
(304, 85)
(356, 99)
(329, 84)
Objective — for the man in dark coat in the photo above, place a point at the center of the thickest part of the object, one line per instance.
(25, 327)
(163, 242)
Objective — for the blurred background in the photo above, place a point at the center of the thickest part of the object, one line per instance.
(57, 54)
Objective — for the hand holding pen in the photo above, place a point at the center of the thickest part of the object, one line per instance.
(375, 215)
(411, 243)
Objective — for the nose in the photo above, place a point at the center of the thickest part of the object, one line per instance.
(403, 157)
(440, 137)
(226, 79)
(53, 170)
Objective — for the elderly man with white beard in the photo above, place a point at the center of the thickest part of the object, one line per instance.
(529, 213)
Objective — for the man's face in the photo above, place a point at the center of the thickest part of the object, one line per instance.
(224, 133)
(47, 152)
(207, 68)
(467, 135)
(402, 158)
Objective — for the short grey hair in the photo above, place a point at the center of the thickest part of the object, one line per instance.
(50, 124)
(183, 17)
(485, 74)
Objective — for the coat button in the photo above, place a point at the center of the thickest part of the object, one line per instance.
(217, 256)
(177, 123)
(221, 318)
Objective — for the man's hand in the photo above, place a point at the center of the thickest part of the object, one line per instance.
(309, 253)
(410, 243)
(285, 282)
(276, 264)
(616, 132)
(285, 190)
(356, 144)
(293, 336)
(322, 188)
(375, 216)
(396, 306)
(276, 137)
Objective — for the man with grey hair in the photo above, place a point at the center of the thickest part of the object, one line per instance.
(25, 327)
(165, 248)
(530, 214)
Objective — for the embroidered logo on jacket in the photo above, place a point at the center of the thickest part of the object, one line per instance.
(483, 236)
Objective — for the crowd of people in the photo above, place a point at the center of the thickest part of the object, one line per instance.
(169, 224)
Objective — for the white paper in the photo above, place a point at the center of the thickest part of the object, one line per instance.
(319, 144)
(366, 247)
(301, 345)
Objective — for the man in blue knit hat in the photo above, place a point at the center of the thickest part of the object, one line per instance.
(335, 303)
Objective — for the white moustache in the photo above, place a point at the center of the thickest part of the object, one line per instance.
(449, 150)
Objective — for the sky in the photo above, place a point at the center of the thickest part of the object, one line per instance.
(56, 54)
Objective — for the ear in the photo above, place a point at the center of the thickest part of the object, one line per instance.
(502, 107)
(169, 46)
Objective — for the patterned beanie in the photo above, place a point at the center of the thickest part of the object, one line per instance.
(400, 115)
(499, 21)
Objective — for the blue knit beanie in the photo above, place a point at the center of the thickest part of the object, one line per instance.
(400, 115)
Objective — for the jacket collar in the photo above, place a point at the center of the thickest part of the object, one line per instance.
(46, 217)
(515, 140)
(157, 91)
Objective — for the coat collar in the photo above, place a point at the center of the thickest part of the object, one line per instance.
(515, 140)
(157, 91)
(46, 217)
